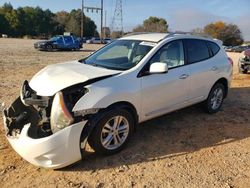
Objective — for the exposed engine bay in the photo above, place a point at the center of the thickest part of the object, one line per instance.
(35, 110)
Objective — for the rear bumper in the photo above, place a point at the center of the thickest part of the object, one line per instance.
(56, 151)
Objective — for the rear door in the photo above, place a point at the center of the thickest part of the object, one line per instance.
(69, 43)
(203, 68)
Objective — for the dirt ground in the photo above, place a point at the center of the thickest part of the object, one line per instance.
(187, 148)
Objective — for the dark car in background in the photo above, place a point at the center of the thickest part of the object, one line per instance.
(244, 63)
(240, 49)
(60, 42)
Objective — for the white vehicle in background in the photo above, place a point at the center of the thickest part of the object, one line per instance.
(100, 99)
(94, 41)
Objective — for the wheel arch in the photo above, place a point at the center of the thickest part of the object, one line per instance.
(127, 106)
(95, 118)
(224, 82)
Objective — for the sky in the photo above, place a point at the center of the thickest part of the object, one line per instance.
(181, 15)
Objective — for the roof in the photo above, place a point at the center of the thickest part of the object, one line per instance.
(157, 37)
(152, 37)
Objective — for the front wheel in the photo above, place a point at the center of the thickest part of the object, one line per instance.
(112, 132)
(49, 47)
(245, 71)
(215, 99)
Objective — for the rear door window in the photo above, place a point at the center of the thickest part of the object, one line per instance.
(68, 39)
(197, 50)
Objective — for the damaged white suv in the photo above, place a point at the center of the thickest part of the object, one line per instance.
(101, 98)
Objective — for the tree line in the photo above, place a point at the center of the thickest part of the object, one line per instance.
(36, 22)
(229, 34)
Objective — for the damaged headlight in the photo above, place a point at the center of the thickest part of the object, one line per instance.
(60, 115)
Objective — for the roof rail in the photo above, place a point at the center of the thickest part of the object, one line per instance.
(190, 33)
(137, 33)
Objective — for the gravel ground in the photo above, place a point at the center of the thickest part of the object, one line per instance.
(187, 148)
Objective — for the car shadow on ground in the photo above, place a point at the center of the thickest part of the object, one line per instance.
(179, 133)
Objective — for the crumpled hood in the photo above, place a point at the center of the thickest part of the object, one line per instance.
(56, 77)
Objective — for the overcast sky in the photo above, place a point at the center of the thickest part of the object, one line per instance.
(183, 15)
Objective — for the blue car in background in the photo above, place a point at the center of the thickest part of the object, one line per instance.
(60, 42)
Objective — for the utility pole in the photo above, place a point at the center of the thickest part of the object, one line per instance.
(96, 9)
(105, 23)
(82, 19)
(101, 20)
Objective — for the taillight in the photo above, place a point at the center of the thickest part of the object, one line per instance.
(230, 61)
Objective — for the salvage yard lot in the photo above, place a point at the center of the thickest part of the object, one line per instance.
(187, 148)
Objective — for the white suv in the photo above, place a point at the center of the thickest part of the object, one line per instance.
(100, 99)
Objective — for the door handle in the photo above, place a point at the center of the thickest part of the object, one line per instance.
(214, 68)
(184, 76)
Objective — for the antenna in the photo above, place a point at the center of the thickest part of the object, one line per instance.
(117, 21)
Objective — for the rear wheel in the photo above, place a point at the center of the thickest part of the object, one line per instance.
(215, 98)
(112, 132)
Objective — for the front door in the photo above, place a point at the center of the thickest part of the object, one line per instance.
(165, 92)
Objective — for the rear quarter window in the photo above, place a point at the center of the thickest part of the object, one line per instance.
(197, 50)
(213, 47)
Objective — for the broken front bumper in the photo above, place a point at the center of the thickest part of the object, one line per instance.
(56, 151)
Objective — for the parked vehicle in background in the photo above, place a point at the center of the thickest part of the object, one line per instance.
(100, 99)
(228, 48)
(98, 41)
(107, 40)
(60, 42)
(94, 40)
(84, 39)
(244, 63)
(239, 49)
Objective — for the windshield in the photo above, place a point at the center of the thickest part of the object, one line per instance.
(55, 38)
(120, 54)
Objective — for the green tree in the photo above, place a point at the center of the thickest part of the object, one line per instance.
(13, 22)
(38, 22)
(71, 22)
(4, 25)
(153, 24)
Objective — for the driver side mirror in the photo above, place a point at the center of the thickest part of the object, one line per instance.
(158, 68)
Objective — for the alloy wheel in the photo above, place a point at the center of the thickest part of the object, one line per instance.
(115, 132)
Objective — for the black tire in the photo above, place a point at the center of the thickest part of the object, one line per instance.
(95, 138)
(244, 71)
(49, 47)
(209, 105)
